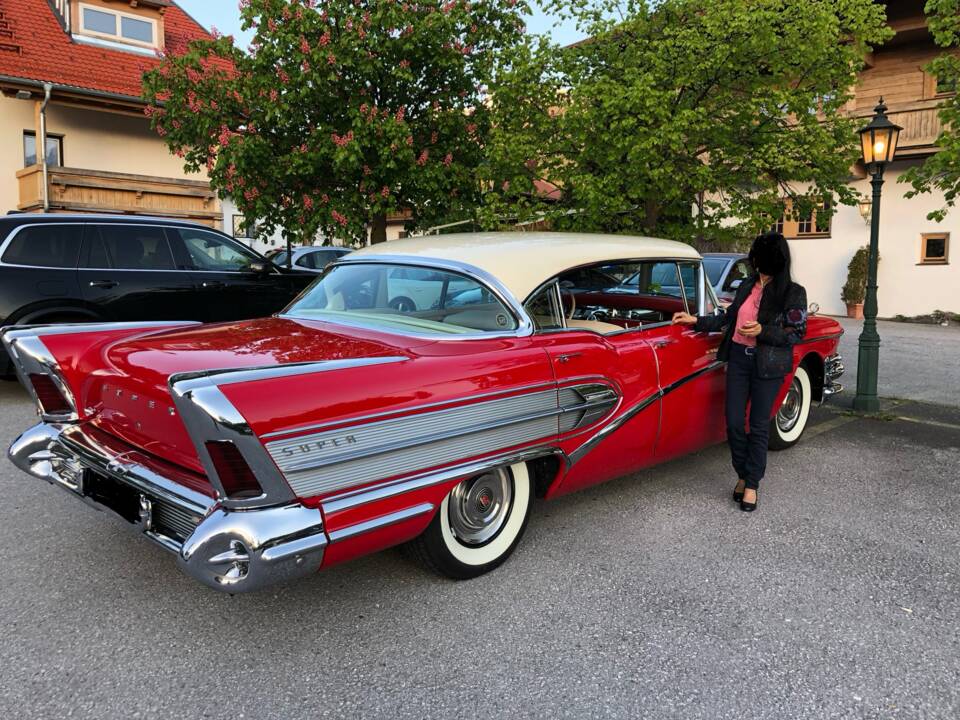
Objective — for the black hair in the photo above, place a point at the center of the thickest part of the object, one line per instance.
(770, 255)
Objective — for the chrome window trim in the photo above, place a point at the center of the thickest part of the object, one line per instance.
(381, 491)
(209, 416)
(482, 277)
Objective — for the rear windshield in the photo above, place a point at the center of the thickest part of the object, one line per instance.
(403, 298)
(52, 246)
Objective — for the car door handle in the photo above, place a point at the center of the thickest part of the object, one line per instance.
(104, 284)
(212, 284)
(565, 357)
(663, 343)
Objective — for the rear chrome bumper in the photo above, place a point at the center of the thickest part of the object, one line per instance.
(229, 550)
(832, 369)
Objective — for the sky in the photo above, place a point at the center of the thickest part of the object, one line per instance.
(225, 17)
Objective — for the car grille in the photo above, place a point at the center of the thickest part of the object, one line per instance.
(173, 521)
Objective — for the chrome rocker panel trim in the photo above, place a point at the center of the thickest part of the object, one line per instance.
(231, 551)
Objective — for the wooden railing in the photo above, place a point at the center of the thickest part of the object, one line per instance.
(98, 191)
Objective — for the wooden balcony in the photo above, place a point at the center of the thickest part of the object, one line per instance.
(98, 191)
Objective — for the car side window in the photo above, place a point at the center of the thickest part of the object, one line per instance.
(51, 245)
(128, 247)
(690, 276)
(544, 309)
(209, 251)
(308, 260)
(740, 271)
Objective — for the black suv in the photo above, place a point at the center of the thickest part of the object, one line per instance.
(86, 268)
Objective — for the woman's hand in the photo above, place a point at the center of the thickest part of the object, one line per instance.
(682, 318)
(750, 329)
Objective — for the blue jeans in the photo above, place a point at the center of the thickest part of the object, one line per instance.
(748, 449)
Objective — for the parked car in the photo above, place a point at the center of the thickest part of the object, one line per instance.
(311, 257)
(726, 271)
(93, 268)
(264, 450)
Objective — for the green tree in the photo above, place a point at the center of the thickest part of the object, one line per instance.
(341, 112)
(941, 171)
(723, 106)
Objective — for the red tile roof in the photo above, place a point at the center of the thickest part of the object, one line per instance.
(34, 46)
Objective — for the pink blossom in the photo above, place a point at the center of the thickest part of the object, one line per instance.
(363, 108)
(404, 64)
(447, 159)
(308, 202)
(471, 128)
(385, 192)
(409, 140)
(325, 38)
(331, 59)
(161, 131)
(324, 198)
(367, 170)
(304, 45)
(341, 219)
(342, 140)
(271, 24)
(284, 78)
(305, 66)
(274, 95)
(434, 137)
(422, 160)
(400, 113)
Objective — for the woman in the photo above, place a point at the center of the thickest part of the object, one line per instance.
(766, 319)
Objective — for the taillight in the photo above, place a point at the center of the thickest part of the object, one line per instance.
(238, 480)
(52, 401)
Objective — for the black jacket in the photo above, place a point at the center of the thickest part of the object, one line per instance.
(783, 327)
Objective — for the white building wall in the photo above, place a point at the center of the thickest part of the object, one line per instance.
(904, 286)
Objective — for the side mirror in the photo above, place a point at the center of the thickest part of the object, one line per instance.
(814, 308)
(735, 285)
(260, 268)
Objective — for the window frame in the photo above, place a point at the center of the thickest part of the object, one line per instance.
(50, 136)
(524, 325)
(119, 36)
(702, 283)
(241, 248)
(927, 260)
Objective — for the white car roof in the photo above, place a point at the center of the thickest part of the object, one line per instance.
(522, 261)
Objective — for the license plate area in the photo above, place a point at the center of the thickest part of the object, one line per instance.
(112, 494)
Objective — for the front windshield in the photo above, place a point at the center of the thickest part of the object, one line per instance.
(404, 298)
(714, 268)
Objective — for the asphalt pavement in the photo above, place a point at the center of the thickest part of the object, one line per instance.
(652, 596)
(919, 362)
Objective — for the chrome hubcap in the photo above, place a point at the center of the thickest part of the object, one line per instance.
(789, 412)
(479, 507)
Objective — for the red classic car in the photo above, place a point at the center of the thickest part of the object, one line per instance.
(263, 450)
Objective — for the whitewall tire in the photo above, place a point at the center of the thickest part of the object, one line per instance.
(792, 415)
(479, 523)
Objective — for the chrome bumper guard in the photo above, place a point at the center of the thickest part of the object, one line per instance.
(229, 550)
(832, 369)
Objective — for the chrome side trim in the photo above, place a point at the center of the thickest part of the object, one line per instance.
(391, 413)
(75, 328)
(355, 498)
(631, 412)
(524, 323)
(380, 522)
(209, 416)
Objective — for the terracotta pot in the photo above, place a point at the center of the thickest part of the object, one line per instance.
(855, 311)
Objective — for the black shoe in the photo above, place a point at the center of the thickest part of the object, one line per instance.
(749, 506)
(737, 495)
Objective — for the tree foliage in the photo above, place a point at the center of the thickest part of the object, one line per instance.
(942, 170)
(341, 112)
(724, 106)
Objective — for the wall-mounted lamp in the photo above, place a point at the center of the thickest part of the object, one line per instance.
(865, 207)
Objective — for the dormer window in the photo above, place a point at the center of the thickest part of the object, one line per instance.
(109, 24)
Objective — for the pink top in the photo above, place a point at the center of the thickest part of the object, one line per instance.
(748, 311)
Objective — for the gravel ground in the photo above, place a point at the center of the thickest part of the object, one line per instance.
(920, 362)
(651, 596)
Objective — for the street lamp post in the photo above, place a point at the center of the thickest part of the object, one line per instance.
(878, 141)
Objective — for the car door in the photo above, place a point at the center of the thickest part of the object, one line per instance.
(618, 375)
(129, 272)
(692, 381)
(230, 285)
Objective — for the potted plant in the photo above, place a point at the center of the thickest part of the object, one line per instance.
(855, 289)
